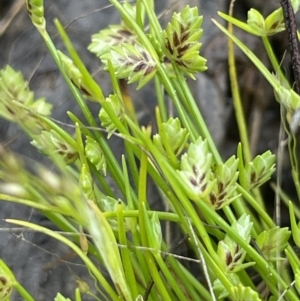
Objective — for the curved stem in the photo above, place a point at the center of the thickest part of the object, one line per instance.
(90, 265)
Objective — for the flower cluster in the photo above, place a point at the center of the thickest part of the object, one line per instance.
(230, 253)
(223, 192)
(7, 281)
(116, 105)
(195, 170)
(95, 154)
(114, 35)
(273, 24)
(171, 138)
(76, 76)
(232, 257)
(182, 41)
(216, 184)
(272, 242)
(204, 181)
(257, 172)
(131, 60)
(17, 102)
(35, 9)
(291, 102)
(51, 142)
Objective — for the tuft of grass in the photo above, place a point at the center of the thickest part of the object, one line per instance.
(216, 204)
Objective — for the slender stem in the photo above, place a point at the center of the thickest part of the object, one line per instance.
(256, 206)
(90, 265)
(95, 88)
(200, 288)
(139, 13)
(198, 118)
(260, 66)
(160, 99)
(170, 278)
(113, 165)
(143, 231)
(292, 146)
(23, 293)
(274, 61)
(269, 274)
(237, 102)
(125, 253)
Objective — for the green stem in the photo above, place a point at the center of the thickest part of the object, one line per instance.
(153, 20)
(23, 292)
(164, 78)
(256, 206)
(126, 261)
(157, 278)
(284, 197)
(169, 278)
(89, 264)
(186, 279)
(194, 111)
(274, 61)
(172, 177)
(181, 96)
(143, 231)
(260, 66)
(95, 89)
(113, 165)
(292, 146)
(160, 99)
(268, 273)
(139, 14)
(200, 288)
(237, 102)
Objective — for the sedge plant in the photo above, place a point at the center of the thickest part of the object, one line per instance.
(215, 203)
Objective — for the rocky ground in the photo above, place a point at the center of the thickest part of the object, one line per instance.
(44, 266)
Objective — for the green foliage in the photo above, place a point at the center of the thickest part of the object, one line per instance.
(115, 34)
(258, 25)
(288, 98)
(76, 77)
(87, 184)
(8, 283)
(105, 205)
